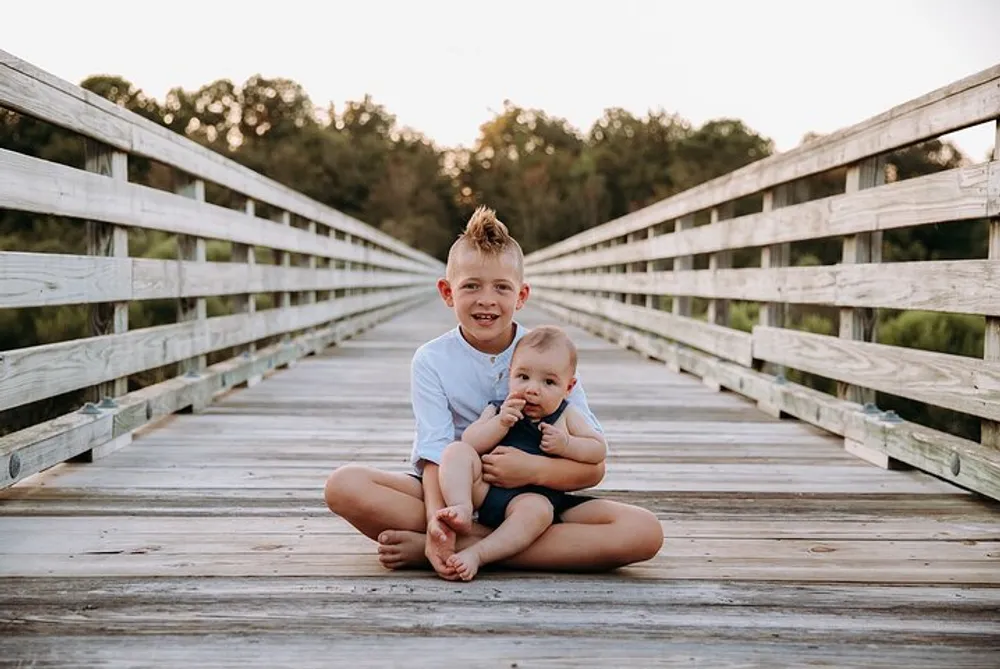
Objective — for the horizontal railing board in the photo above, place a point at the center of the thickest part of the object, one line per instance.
(38, 372)
(972, 100)
(968, 385)
(35, 185)
(953, 195)
(977, 468)
(49, 443)
(40, 279)
(956, 286)
(722, 341)
(29, 90)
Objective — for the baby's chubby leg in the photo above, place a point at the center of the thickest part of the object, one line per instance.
(462, 486)
(527, 517)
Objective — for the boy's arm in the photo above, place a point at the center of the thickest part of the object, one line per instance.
(509, 467)
(435, 427)
(579, 441)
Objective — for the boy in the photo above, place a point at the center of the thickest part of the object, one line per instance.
(452, 378)
(535, 418)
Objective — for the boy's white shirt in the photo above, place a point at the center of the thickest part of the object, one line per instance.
(451, 383)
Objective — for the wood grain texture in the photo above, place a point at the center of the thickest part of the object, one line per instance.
(37, 372)
(974, 99)
(951, 458)
(953, 195)
(955, 286)
(32, 91)
(964, 384)
(55, 441)
(31, 184)
(211, 527)
(722, 341)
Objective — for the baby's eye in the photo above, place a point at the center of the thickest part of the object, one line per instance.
(550, 382)
(522, 377)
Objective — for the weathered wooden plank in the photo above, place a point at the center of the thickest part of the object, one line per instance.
(953, 195)
(29, 90)
(956, 382)
(722, 341)
(41, 446)
(37, 372)
(35, 185)
(955, 286)
(990, 429)
(170, 648)
(974, 99)
(929, 450)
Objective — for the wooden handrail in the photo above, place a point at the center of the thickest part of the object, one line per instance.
(345, 276)
(607, 280)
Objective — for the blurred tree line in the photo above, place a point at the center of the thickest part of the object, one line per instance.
(546, 179)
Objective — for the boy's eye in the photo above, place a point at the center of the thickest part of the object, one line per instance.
(550, 382)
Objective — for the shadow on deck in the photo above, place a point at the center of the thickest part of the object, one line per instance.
(206, 542)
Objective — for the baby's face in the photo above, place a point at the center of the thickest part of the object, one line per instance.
(543, 379)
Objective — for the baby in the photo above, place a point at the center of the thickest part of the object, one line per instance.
(535, 418)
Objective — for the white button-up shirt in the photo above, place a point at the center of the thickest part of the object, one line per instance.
(451, 383)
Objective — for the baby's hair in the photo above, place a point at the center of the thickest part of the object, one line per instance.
(485, 234)
(545, 337)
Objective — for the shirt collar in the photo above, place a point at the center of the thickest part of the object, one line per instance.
(502, 356)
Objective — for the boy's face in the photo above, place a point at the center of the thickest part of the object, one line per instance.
(542, 378)
(484, 292)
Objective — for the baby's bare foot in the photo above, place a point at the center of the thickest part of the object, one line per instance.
(465, 564)
(457, 517)
(402, 549)
(439, 546)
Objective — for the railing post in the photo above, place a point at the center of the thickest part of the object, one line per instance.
(191, 249)
(681, 303)
(775, 314)
(633, 268)
(310, 263)
(866, 247)
(246, 303)
(104, 239)
(718, 310)
(650, 267)
(990, 430)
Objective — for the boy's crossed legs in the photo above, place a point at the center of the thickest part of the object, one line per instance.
(389, 508)
(464, 490)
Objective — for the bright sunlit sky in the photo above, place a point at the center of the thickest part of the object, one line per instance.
(443, 67)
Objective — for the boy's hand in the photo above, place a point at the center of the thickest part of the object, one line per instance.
(554, 440)
(510, 411)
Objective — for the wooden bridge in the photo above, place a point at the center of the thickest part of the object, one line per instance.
(182, 523)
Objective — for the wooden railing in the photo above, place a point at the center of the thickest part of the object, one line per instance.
(607, 280)
(347, 277)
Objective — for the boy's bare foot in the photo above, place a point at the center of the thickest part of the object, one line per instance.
(465, 564)
(402, 549)
(457, 517)
(439, 546)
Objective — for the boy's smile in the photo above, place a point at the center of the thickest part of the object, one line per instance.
(484, 292)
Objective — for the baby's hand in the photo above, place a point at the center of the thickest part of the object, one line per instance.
(510, 411)
(554, 440)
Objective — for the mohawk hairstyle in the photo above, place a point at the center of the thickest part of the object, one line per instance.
(485, 234)
(544, 338)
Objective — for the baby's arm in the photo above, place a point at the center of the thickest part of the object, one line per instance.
(491, 426)
(579, 441)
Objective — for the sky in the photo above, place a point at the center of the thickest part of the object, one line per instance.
(443, 67)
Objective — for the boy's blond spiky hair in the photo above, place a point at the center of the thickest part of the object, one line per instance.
(486, 234)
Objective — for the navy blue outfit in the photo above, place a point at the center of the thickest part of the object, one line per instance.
(525, 435)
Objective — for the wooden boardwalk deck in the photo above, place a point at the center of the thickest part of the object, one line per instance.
(206, 542)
